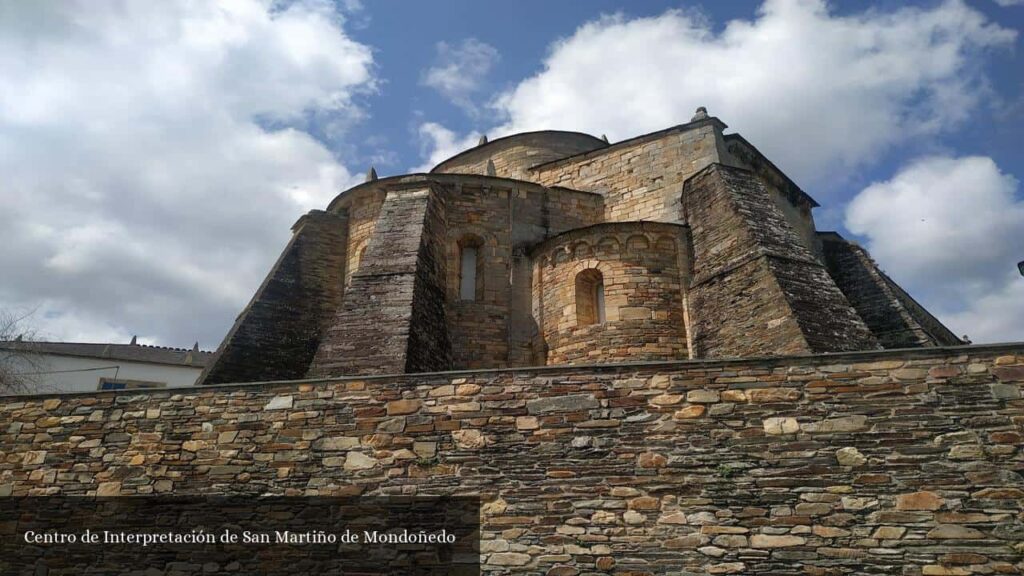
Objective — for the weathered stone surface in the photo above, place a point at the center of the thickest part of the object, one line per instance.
(781, 426)
(854, 423)
(690, 412)
(651, 460)
(335, 443)
(773, 395)
(633, 517)
(726, 568)
(509, 559)
(999, 494)
(355, 461)
(109, 489)
(667, 399)
(923, 500)
(562, 404)
(955, 531)
(527, 423)
(470, 439)
(401, 407)
(33, 457)
(704, 493)
(770, 541)
(279, 403)
(1009, 373)
(850, 456)
(889, 532)
(702, 396)
(1006, 391)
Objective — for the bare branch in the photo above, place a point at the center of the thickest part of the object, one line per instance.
(20, 364)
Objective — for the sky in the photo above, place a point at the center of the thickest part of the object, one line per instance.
(154, 155)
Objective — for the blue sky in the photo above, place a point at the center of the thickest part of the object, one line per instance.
(156, 154)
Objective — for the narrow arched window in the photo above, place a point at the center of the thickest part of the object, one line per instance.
(589, 298)
(467, 272)
(470, 267)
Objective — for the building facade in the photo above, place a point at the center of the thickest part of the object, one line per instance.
(552, 248)
(45, 367)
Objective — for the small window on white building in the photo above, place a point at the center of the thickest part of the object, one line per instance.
(115, 384)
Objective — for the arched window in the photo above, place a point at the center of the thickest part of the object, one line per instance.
(589, 298)
(467, 273)
(470, 269)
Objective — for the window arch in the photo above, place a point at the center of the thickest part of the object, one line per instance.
(471, 278)
(590, 308)
(355, 261)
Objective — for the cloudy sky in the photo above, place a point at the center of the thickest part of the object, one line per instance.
(153, 155)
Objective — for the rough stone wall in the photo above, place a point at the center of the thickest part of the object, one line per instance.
(756, 290)
(513, 156)
(370, 333)
(479, 327)
(794, 204)
(429, 346)
(362, 210)
(640, 178)
(876, 299)
(497, 329)
(277, 334)
(867, 463)
(643, 266)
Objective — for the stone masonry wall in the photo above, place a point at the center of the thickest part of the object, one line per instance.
(277, 334)
(429, 347)
(888, 462)
(869, 294)
(640, 178)
(756, 289)
(513, 156)
(496, 329)
(363, 210)
(370, 332)
(644, 270)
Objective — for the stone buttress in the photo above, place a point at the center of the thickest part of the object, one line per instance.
(756, 290)
(392, 319)
(277, 334)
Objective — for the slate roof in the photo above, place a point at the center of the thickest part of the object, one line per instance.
(124, 352)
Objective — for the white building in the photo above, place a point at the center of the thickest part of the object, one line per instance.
(82, 367)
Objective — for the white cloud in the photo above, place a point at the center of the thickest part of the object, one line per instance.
(951, 230)
(820, 94)
(143, 191)
(439, 143)
(459, 71)
(1005, 3)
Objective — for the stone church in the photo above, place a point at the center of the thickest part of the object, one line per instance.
(560, 248)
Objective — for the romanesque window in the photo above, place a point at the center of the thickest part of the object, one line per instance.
(589, 298)
(470, 268)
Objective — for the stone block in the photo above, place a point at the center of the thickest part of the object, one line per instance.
(855, 423)
(850, 456)
(923, 500)
(773, 541)
(781, 426)
(401, 407)
(690, 412)
(570, 403)
(279, 403)
(702, 396)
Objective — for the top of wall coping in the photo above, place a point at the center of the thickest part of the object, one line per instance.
(764, 361)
